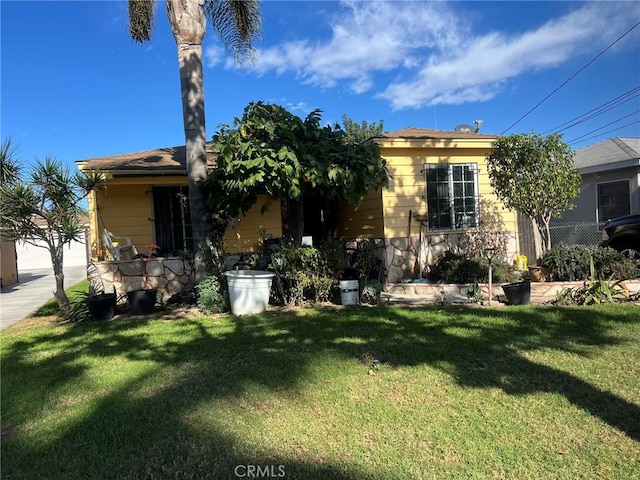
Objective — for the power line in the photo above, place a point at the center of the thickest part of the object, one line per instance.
(599, 110)
(604, 133)
(605, 126)
(570, 78)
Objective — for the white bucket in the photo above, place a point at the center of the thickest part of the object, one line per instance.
(349, 292)
(248, 290)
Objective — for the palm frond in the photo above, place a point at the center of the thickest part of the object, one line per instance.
(238, 23)
(141, 18)
(9, 164)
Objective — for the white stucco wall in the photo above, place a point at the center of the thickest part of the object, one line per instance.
(31, 257)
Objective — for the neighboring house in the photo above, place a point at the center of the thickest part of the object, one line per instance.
(8, 263)
(610, 180)
(33, 257)
(439, 191)
(610, 173)
(20, 256)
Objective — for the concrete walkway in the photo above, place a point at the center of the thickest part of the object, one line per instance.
(34, 289)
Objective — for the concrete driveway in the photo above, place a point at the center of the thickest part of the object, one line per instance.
(32, 291)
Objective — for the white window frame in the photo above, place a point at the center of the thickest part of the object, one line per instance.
(455, 225)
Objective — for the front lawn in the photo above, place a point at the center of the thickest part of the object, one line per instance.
(379, 393)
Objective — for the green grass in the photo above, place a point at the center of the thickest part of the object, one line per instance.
(51, 307)
(521, 392)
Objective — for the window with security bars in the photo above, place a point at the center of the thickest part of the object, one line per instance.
(172, 218)
(452, 196)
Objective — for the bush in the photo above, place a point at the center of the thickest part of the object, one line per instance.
(593, 292)
(457, 268)
(571, 263)
(212, 295)
(306, 273)
(334, 253)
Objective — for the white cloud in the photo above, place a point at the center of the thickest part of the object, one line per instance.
(367, 37)
(478, 72)
(301, 107)
(213, 55)
(430, 50)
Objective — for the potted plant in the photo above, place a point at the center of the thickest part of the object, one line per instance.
(518, 293)
(101, 306)
(538, 273)
(143, 301)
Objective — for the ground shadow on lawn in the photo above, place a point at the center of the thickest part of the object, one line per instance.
(276, 351)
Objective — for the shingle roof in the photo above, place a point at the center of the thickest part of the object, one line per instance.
(423, 133)
(161, 159)
(607, 152)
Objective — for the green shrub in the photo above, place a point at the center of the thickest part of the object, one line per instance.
(212, 294)
(457, 268)
(334, 253)
(593, 292)
(371, 291)
(571, 262)
(367, 256)
(305, 272)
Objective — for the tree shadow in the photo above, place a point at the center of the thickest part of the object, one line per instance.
(216, 361)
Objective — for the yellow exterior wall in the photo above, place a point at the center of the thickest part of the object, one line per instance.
(365, 220)
(407, 186)
(386, 214)
(247, 232)
(126, 208)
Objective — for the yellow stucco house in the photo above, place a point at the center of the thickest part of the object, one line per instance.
(438, 192)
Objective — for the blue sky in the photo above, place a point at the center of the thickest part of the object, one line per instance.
(74, 86)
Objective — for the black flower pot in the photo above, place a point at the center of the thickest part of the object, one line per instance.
(517, 293)
(102, 306)
(142, 301)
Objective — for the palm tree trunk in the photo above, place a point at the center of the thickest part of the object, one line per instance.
(188, 23)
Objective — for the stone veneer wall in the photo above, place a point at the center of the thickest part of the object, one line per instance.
(168, 275)
(401, 255)
(540, 291)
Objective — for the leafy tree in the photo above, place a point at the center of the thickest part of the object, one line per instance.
(270, 150)
(237, 22)
(536, 176)
(359, 132)
(50, 193)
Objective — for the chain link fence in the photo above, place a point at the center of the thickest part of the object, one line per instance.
(567, 233)
(571, 233)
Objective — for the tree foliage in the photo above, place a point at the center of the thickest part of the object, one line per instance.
(43, 209)
(536, 176)
(272, 151)
(359, 132)
(9, 165)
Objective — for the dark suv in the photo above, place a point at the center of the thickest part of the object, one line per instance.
(623, 234)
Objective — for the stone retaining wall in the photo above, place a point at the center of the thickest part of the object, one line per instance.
(404, 257)
(541, 292)
(168, 275)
